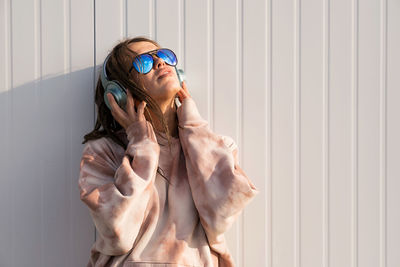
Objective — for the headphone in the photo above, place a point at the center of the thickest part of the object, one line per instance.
(118, 90)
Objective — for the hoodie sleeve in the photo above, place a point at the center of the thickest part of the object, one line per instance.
(219, 186)
(117, 194)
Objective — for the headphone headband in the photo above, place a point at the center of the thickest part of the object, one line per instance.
(103, 74)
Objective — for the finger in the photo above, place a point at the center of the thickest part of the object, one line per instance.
(141, 109)
(111, 101)
(179, 96)
(184, 86)
(185, 89)
(126, 161)
(129, 105)
(184, 94)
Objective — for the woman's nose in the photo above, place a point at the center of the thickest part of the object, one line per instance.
(158, 62)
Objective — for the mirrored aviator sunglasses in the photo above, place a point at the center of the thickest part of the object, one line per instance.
(143, 63)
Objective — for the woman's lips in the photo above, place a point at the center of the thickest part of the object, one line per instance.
(164, 74)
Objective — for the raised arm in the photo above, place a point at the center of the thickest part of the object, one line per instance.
(117, 195)
(219, 186)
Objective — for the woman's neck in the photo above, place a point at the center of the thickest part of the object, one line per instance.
(170, 115)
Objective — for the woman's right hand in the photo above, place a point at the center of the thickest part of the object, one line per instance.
(130, 116)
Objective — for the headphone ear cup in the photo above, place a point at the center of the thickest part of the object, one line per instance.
(118, 93)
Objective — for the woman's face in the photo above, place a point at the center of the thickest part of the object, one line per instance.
(161, 83)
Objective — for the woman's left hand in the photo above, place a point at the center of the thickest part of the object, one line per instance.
(183, 93)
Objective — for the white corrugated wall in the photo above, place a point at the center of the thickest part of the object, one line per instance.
(309, 89)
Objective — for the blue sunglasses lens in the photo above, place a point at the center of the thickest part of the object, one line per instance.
(144, 63)
(168, 56)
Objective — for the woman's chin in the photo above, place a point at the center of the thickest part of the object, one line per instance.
(171, 85)
(167, 94)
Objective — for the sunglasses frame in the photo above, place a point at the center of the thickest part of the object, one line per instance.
(152, 53)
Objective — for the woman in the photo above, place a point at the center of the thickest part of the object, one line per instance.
(161, 187)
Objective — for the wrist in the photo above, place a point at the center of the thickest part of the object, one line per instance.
(188, 113)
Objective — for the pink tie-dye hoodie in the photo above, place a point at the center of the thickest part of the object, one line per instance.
(141, 219)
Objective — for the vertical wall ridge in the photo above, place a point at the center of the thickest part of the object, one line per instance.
(297, 133)
(210, 94)
(181, 29)
(38, 40)
(325, 137)
(125, 12)
(7, 46)
(382, 133)
(151, 18)
(154, 19)
(10, 85)
(354, 134)
(122, 19)
(67, 36)
(68, 125)
(184, 34)
(268, 171)
(239, 112)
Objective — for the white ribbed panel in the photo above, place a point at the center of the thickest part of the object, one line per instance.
(6, 227)
(198, 48)
(255, 130)
(283, 135)
(354, 134)
(382, 133)
(227, 87)
(308, 89)
(340, 89)
(392, 133)
(140, 18)
(325, 132)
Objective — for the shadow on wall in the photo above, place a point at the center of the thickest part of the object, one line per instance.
(44, 223)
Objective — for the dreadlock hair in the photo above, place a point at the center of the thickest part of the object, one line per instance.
(117, 69)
